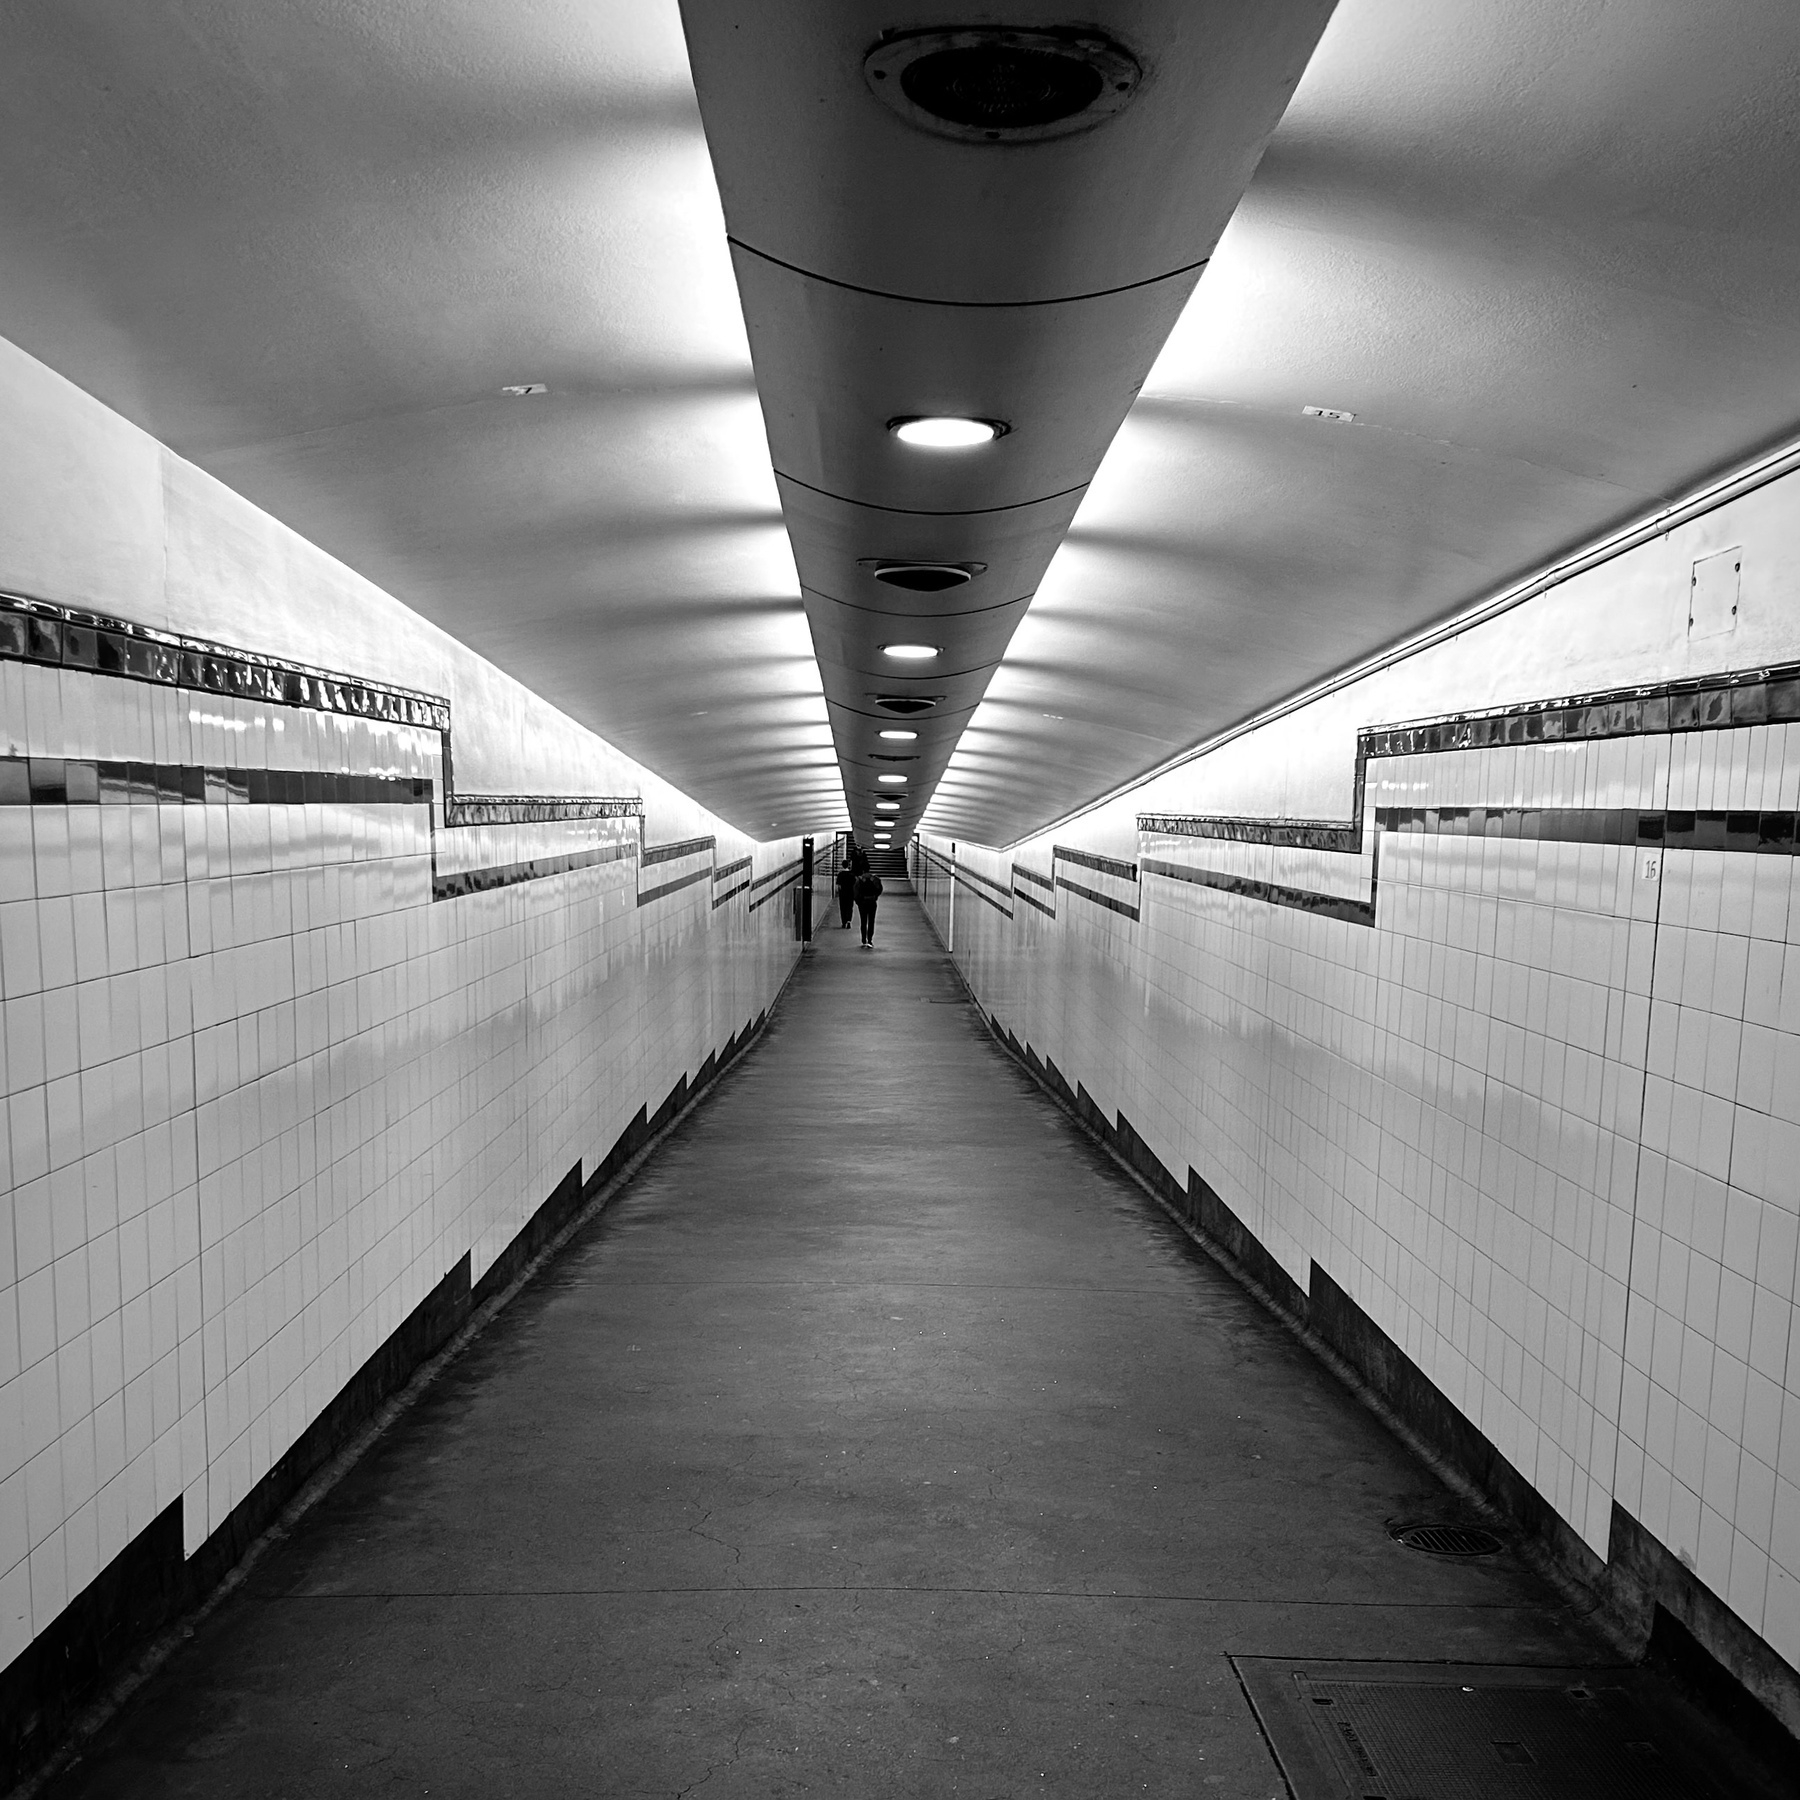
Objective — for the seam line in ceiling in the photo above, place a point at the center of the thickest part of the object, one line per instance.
(935, 675)
(971, 305)
(884, 612)
(934, 512)
(974, 668)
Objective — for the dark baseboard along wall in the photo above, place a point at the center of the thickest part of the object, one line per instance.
(151, 1583)
(1649, 1602)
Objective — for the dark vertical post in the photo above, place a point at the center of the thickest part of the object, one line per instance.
(806, 878)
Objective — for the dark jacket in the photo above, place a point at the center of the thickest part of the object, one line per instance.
(846, 883)
(868, 888)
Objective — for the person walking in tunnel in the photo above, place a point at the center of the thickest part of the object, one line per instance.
(846, 890)
(868, 893)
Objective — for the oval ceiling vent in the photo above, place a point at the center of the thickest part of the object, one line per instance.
(905, 703)
(925, 578)
(987, 85)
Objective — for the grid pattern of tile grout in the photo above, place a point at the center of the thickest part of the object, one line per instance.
(1535, 1107)
(261, 1093)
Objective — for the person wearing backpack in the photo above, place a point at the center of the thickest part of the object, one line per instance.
(868, 892)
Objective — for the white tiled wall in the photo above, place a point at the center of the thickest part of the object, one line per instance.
(1542, 1119)
(261, 1091)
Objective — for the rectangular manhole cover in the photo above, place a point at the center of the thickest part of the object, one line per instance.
(1446, 1731)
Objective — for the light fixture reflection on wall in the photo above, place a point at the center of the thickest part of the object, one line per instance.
(910, 652)
(898, 737)
(945, 433)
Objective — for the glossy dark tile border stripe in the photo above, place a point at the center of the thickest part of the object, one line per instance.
(1101, 865)
(1714, 703)
(78, 781)
(1083, 859)
(1123, 908)
(1328, 906)
(649, 895)
(1343, 838)
(968, 880)
(773, 874)
(986, 889)
(538, 809)
(724, 872)
(655, 853)
(1046, 882)
(34, 631)
(1768, 696)
(1698, 703)
(969, 874)
(784, 877)
(980, 894)
(1703, 703)
(479, 881)
(65, 637)
(1766, 833)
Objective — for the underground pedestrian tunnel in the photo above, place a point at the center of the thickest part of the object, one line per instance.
(1270, 529)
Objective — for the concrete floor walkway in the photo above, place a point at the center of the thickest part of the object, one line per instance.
(881, 1440)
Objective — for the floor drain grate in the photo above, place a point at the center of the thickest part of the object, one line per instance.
(1449, 1540)
(1470, 1732)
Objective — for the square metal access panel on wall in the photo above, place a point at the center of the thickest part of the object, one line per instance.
(1448, 1731)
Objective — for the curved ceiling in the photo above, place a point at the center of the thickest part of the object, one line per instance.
(1545, 251)
(1028, 282)
(1549, 257)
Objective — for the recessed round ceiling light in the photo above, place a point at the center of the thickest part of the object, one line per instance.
(890, 780)
(910, 652)
(946, 433)
(887, 805)
(898, 737)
